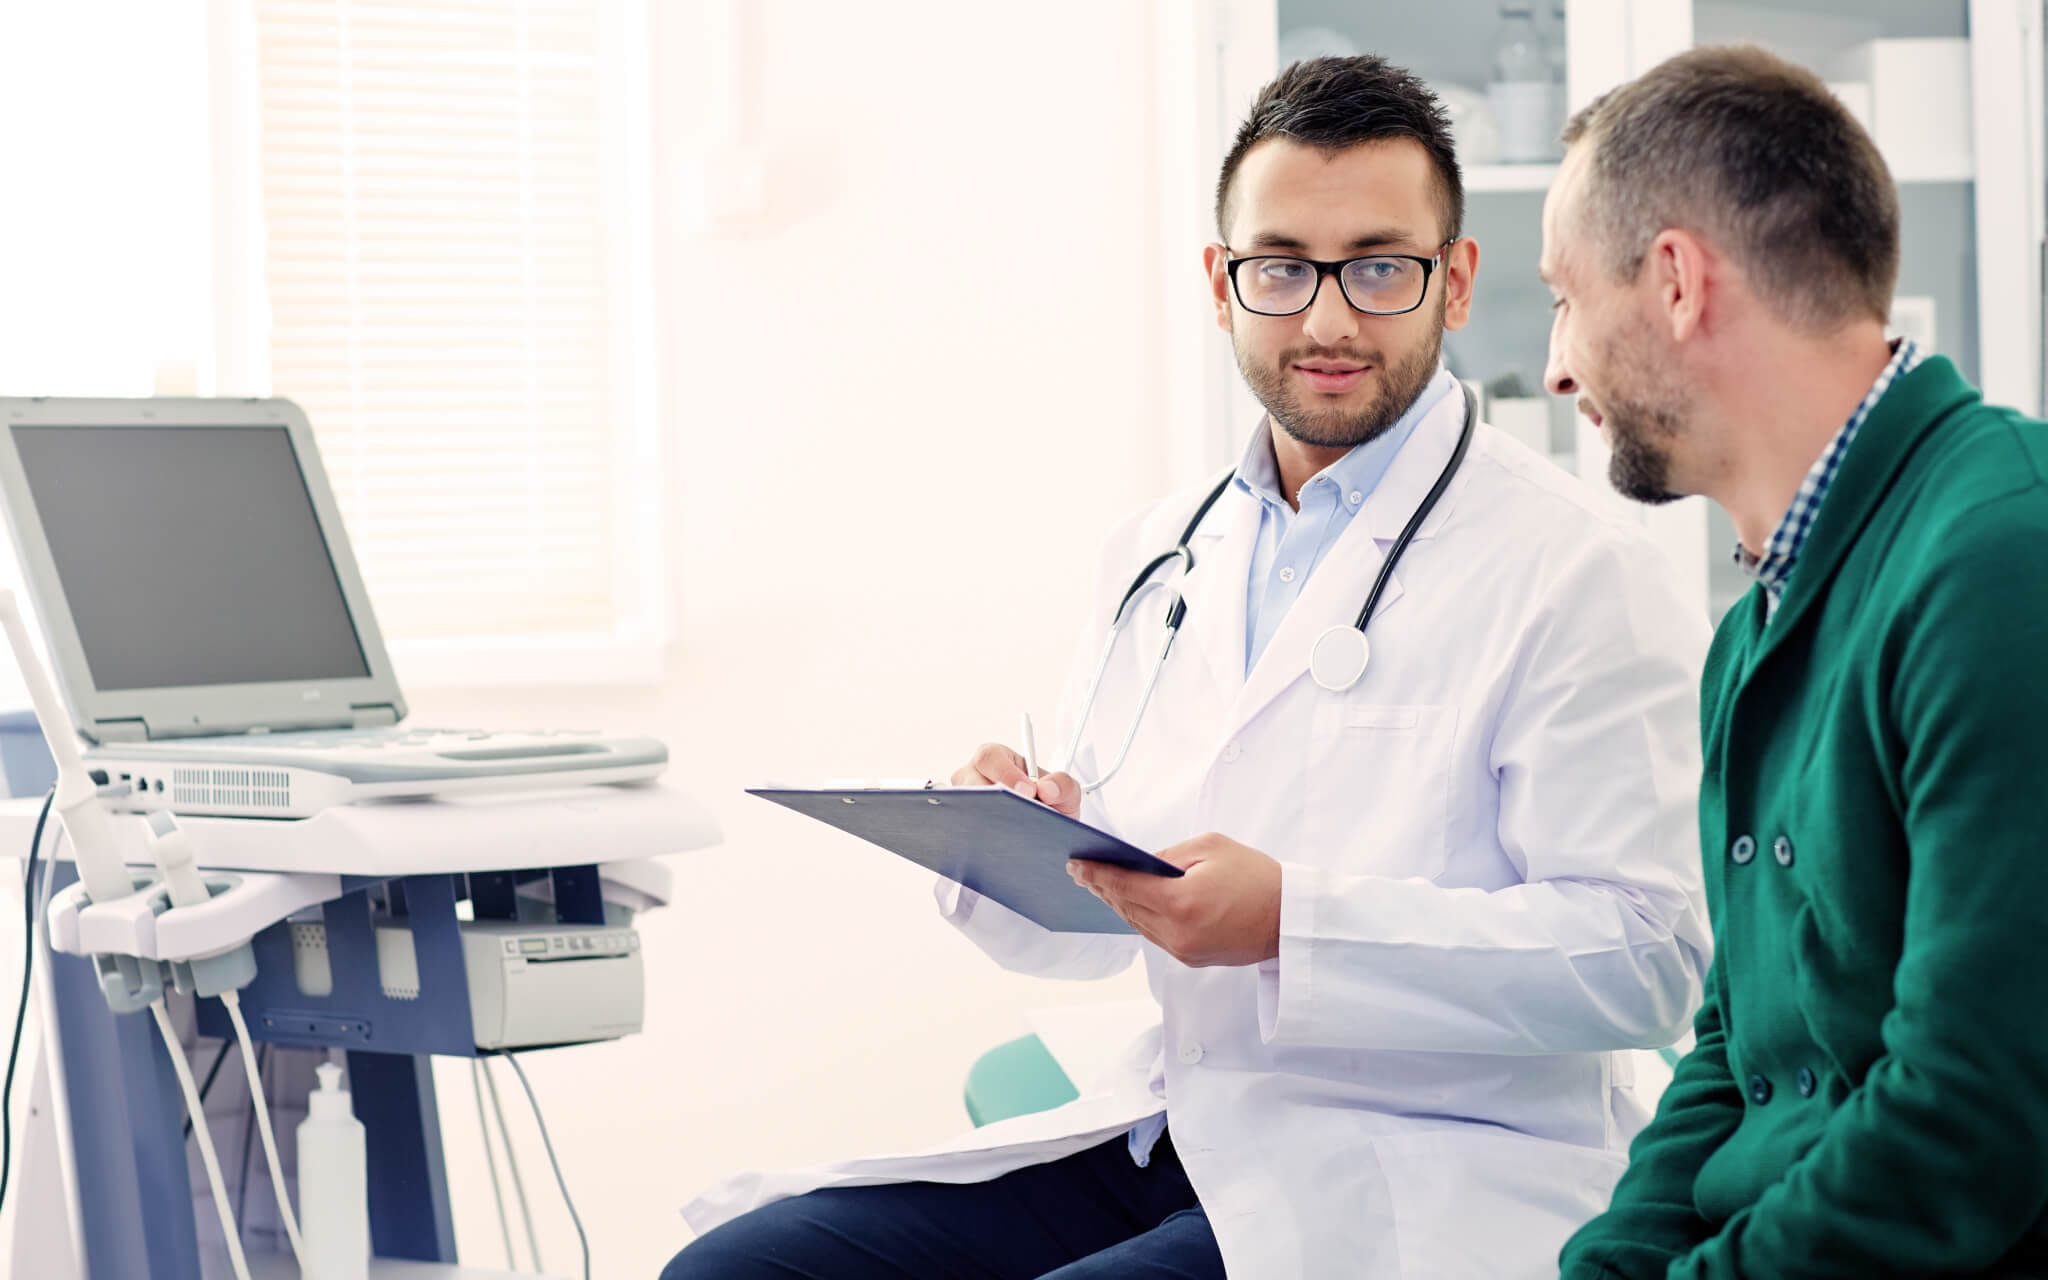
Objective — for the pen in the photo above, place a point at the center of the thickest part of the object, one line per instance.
(1030, 749)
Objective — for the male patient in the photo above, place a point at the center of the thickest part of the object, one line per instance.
(1424, 916)
(1869, 1096)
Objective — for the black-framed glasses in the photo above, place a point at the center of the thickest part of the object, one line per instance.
(1378, 284)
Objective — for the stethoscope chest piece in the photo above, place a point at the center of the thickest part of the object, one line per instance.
(1338, 660)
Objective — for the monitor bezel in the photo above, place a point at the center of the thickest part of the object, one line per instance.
(189, 711)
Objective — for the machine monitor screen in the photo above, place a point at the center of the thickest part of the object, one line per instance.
(189, 555)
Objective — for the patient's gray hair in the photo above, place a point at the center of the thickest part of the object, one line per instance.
(1756, 155)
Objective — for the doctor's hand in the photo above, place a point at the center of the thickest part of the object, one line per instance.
(997, 765)
(1225, 910)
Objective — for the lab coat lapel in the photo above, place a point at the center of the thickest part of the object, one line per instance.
(1215, 589)
(1337, 589)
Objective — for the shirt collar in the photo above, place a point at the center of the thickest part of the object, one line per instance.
(1359, 470)
(1781, 554)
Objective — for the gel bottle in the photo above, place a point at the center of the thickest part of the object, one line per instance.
(334, 1205)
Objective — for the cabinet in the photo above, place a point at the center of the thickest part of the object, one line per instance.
(1951, 88)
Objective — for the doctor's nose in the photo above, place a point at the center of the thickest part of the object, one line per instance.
(1329, 319)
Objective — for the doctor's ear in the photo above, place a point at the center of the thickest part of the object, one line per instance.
(1461, 268)
(1216, 260)
(1680, 267)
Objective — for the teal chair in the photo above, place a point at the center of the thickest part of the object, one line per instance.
(1016, 1078)
(1019, 1077)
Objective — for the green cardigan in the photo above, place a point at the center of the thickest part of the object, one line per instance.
(1869, 1096)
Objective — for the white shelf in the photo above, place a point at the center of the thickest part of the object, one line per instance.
(1536, 178)
(1960, 168)
(1509, 177)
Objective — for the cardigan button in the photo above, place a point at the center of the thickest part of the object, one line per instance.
(1807, 1082)
(1781, 849)
(1759, 1090)
(1742, 850)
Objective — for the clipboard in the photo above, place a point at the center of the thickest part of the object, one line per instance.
(989, 839)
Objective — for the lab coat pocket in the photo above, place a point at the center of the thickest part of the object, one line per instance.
(1480, 1203)
(1378, 800)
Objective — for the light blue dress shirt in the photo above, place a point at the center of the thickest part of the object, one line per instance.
(1292, 543)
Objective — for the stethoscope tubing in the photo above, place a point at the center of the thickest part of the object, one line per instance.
(1176, 613)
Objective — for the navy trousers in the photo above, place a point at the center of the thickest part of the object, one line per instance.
(1090, 1216)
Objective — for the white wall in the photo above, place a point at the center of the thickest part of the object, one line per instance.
(124, 176)
(903, 403)
(904, 394)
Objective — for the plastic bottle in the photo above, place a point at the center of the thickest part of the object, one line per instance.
(334, 1204)
(1522, 94)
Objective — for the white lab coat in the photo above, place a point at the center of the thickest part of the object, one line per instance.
(1490, 887)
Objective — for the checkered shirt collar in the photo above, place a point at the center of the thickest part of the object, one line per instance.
(1781, 553)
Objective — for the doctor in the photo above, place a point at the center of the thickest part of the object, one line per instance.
(1423, 916)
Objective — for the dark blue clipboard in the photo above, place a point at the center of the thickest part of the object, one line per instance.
(990, 839)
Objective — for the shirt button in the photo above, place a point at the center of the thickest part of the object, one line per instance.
(1190, 1053)
(1231, 751)
(1759, 1090)
(1354, 497)
(1781, 849)
(1287, 574)
(1742, 850)
(1807, 1082)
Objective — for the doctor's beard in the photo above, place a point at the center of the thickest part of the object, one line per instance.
(1334, 428)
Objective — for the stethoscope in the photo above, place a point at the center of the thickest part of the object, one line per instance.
(1338, 660)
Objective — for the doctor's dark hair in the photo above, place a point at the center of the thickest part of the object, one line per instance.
(1758, 156)
(1337, 103)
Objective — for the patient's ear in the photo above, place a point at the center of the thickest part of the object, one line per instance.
(1680, 271)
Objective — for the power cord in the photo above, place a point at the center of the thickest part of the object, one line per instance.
(556, 1165)
(28, 959)
(483, 1125)
(512, 1161)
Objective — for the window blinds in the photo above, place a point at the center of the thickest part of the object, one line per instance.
(445, 293)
